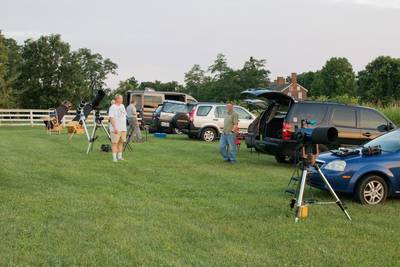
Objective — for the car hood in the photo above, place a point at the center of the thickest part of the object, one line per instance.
(278, 97)
(330, 156)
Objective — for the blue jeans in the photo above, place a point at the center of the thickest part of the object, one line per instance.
(227, 146)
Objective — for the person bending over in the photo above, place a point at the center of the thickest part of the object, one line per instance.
(227, 143)
(117, 115)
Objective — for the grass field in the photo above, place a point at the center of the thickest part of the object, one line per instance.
(171, 203)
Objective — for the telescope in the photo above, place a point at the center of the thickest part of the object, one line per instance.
(318, 136)
(85, 108)
(308, 141)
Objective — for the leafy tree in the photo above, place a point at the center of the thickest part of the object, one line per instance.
(92, 71)
(196, 82)
(5, 94)
(45, 78)
(380, 81)
(254, 74)
(337, 77)
(126, 85)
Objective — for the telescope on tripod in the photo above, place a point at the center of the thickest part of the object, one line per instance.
(309, 140)
(78, 124)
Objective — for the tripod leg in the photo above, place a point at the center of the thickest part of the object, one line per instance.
(301, 194)
(333, 193)
(86, 129)
(105, 130)
(91, 140)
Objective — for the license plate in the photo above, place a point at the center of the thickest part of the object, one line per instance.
(165, 124)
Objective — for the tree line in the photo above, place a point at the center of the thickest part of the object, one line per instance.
(41, 73)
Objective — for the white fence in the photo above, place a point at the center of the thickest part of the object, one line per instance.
(34, 117)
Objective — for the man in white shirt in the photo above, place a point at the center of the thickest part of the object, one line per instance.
(117, 115)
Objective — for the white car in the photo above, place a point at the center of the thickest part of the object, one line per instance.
(206, 120)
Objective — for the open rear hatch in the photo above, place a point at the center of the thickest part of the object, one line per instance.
(270, 122)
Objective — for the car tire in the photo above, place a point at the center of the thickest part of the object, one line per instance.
(371, 190)
(209, 135)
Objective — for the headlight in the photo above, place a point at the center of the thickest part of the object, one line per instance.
(336, 165)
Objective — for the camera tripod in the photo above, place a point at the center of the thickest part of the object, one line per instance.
(98, 123)
(308, 161)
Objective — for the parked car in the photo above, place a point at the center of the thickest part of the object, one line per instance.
(370, 175)
(272, 132)
(148, 100)
(206, 120)
(163, 115)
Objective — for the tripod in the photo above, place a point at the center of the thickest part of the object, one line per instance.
(98, 122)
(308, 161)
(82, 122)
(129, 137)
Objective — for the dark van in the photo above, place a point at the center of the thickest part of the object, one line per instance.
(272, 132)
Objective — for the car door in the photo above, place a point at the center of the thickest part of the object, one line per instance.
(344, 118)
(371, 124)
(245, 118)
(219, 116)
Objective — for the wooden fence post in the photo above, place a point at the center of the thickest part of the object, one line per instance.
(31, 117)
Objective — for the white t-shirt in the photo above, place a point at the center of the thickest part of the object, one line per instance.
(118, 112)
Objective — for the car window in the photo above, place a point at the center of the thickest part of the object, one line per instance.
(314, 112)
(220, 112)
(174, 107)
(152, 101)
(203, 110)
(344, 116)
(242, 113)
(389, 142)
(370, 119)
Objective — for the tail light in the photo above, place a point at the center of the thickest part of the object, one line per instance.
(191, 114)
(287, 133)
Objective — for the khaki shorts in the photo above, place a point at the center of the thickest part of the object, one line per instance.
(119, 137)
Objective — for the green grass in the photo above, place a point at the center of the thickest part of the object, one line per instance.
(171, 203)
(393, 113)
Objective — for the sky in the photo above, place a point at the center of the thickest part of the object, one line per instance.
(162, 39)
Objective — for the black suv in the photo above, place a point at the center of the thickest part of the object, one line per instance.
(272, 132)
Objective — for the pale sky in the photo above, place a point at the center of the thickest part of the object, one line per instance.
(156, 39)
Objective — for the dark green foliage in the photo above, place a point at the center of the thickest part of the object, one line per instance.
(380, 81)
(44, 72)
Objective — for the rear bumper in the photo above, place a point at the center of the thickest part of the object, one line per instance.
(192, 130)
(274, 146)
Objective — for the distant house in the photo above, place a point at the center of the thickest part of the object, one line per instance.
(292, 88)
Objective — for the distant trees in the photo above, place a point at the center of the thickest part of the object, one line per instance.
(222, 83)
(380, 81)
(43, 72)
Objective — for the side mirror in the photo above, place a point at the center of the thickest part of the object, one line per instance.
(249, 117)
(390, 126)
(384, 128)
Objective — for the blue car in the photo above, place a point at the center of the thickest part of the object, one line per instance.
(370, 173)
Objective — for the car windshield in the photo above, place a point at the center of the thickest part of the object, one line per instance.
(174, 107)
(389, 142)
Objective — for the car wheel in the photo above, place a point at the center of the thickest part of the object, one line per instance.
(208, 135)
(372, 190)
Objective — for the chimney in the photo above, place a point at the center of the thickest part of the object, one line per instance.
(294, 78)
(280, 80)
